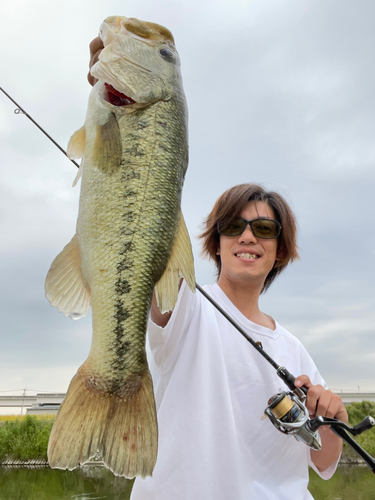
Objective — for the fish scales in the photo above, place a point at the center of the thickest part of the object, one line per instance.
(143, 215)
(130, 237)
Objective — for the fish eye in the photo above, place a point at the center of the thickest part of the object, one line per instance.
(166, 54)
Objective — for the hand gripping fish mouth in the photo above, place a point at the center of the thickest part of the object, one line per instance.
(139, 64)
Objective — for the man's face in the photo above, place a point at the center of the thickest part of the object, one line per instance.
(246, 259)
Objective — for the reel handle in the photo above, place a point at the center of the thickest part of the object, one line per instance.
(367, 423)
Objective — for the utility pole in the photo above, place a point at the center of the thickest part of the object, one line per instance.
(23, 399)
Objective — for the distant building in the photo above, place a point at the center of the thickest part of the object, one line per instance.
(34, 405)
(48, 404)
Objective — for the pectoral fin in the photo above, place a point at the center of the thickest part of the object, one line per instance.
(65, 287)
(180, 264)
(76, 145)
(107, 154)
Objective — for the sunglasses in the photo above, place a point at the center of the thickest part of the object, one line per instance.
(267, 229)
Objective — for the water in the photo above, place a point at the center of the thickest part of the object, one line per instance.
(94, 483)
(88, 483)
(348, 483)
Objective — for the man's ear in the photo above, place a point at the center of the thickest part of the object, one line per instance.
(277, 261)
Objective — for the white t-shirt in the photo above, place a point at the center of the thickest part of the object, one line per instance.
(211, 389)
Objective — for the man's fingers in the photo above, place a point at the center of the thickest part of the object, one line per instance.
(324, 403)
(320, 401)
(333, 407)
(303, 380)
(94, 58)
(314, 394)
(96, 46)
(91, 79)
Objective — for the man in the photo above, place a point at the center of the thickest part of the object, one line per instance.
(211, 386)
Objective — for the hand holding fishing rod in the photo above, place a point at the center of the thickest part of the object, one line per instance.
(289, 415)
(290, 411)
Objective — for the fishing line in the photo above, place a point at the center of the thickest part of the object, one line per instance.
(20, 111)
(292, 422)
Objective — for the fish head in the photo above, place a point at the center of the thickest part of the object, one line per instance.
(139, 64)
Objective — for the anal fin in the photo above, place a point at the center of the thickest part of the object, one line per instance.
(180, 264)
(65, 287)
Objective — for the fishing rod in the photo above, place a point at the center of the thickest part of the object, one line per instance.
(20, 110)
(286, 410)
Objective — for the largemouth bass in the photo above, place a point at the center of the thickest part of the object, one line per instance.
(130, 237)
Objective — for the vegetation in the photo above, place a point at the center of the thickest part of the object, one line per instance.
(12, 418)
(24, 438)
(357, 412)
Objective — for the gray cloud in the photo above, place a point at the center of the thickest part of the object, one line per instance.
(279, 93)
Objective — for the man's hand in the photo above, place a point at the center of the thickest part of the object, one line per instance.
(323, 402)
(96, 46)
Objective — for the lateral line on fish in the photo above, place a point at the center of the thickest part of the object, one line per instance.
(119, 343)
(148, 171)
(17, 112)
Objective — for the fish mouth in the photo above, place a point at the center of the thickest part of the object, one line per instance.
(117, 98)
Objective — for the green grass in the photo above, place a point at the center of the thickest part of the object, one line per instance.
(348, 483)
(24, 438)
(357, 412)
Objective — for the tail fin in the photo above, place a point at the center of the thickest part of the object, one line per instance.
(123, 431)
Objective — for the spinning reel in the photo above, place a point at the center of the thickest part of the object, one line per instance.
(288, 413)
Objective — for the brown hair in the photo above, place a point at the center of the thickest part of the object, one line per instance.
(230, 205)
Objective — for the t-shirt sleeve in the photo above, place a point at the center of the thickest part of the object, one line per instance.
(309, 368)
(165, 343)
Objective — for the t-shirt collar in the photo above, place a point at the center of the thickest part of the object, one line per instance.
(236, 314)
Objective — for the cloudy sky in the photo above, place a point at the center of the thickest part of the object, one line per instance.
(280, 92)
